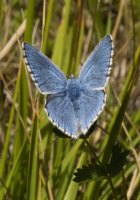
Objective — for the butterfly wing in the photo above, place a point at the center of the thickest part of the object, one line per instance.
(95, 71)
(61, 113)
(91, 104)
(93, 78)
(48, 78)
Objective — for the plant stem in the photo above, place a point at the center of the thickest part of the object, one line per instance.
(112, 188)
(92, 151)
(109, 179)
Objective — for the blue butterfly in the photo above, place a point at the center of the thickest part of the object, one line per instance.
(74, 104)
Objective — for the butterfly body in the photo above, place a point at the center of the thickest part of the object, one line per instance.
(73, 89)
(73, 104)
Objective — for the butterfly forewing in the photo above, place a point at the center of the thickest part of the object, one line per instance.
(96, 69)
(48, 78)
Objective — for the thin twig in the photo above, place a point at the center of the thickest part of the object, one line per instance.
(117, 24)
(134, 183)
(13, 40)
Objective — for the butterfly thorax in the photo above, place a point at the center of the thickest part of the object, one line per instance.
(73, 88)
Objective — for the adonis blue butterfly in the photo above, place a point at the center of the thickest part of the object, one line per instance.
(73, 104)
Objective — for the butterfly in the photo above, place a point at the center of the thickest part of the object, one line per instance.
(73, 104)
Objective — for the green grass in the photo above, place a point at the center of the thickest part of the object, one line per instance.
(34, 162)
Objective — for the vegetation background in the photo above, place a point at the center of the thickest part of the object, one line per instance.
(34, 162)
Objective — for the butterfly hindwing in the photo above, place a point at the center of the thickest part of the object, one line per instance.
(48, 78)
(96, 69)
(91, 105)
(60, 111)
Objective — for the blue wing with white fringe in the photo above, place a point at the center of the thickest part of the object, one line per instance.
(48, 78)
(96, 69)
